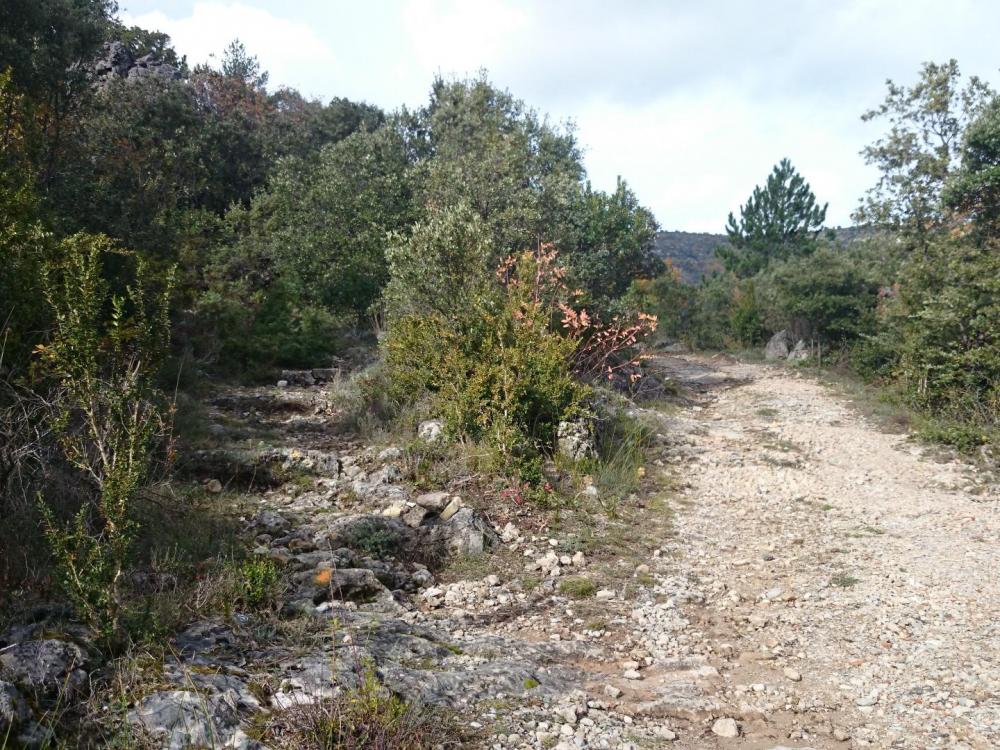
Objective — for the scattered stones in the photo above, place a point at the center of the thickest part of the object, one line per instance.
(739, 589)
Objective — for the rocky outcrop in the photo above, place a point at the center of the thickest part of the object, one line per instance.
(779, 345)
(259, 467)
(37, 676)
(14, 711)
(46, 670)
(116, 61)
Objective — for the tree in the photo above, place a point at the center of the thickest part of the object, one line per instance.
(478, 145)
(828, 296)
(297, 126)
(308, 258)
(239, 64)
(974, 188)
(921, 149)
(780, 220)
(612, 244)
(47, 44)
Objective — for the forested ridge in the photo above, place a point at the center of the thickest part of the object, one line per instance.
(177, 239)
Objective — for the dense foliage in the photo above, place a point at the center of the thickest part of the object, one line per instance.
(914, 304)
(157, 217)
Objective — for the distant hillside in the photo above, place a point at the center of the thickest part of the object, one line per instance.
(693, 253)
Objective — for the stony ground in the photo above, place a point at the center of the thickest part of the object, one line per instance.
(791, 576)
(849, 581)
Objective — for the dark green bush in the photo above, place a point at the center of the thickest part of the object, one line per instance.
(502, 376)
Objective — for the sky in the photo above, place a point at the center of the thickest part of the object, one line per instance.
(691, 102)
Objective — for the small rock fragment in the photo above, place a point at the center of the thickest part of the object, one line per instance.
(727, 728)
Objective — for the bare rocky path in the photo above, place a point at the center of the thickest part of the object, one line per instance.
(850, 583)
(791, 577)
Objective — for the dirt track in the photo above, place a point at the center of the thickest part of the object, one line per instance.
(850, 582)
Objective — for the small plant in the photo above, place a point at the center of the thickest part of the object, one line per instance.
(374, 540)
(368, 717)
(577, 587)
(844, 580)
(258, 578)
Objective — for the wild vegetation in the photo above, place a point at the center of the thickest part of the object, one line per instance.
(166, 229)
(912, 307)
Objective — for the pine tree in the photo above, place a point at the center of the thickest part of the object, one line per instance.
(780, 220)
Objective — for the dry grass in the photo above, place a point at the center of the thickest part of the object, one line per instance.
(366, 718)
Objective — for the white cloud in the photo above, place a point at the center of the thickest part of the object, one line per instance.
(285, 48)
(691, 102)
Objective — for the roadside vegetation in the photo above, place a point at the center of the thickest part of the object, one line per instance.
(168, 232)
(912, 305)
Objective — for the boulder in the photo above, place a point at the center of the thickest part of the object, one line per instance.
(355, 584)
(431, 431)
(414, 516)
(45, 669)
(468, 533)
(452, 508)
(433, 501)
(576, 439)
(270, 522)
(726, 727)
(298, 377)
(778, 346)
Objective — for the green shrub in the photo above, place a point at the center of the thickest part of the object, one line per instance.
(442, 268)
(373, 539)
(950, 341)
(502, 377)
(259, 579)
(746, 321)
(100, 356)
(827, 295)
